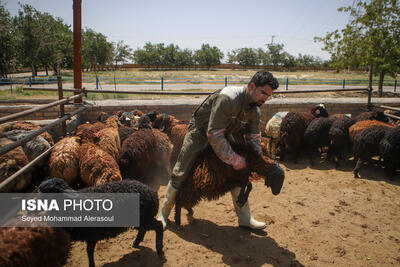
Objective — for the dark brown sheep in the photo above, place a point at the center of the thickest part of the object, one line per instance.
(293, 127)
(366, 145)
(33, 246)
(210, 178)
(143, 152)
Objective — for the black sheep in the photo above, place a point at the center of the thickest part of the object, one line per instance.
(317, 136)
(91, 235)
(339, 139)
(293, 127)
(389, 148)
(366, 145)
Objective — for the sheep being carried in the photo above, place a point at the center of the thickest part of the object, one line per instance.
(210, 178)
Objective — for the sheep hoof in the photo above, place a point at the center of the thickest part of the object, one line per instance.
(135, 244)
(356, 175)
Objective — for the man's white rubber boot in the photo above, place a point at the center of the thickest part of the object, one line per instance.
(167, 205)
(243, 213)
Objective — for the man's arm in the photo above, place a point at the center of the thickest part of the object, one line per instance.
(220, 117)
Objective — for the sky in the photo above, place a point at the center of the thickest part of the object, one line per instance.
(226, 24)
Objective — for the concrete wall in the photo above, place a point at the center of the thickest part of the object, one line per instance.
(183, 109)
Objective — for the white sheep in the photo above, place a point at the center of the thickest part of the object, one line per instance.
(272, 131)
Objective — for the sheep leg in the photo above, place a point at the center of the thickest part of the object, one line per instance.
(357, 168)
(244, 194)
(190, 215)
(158, 228)
(139, 237)
(90, 252)
(178, 209)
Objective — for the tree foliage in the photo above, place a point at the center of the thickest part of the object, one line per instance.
(370, 39)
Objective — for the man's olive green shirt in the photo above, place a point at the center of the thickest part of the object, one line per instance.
(228, 109)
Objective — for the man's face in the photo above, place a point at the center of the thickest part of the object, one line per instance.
(258, 95)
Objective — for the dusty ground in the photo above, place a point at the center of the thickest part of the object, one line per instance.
(323, 217)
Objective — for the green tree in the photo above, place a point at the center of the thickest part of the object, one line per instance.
(28, 34)
(57, 44)
(122, 52)
(96, 51)
(8, 55)
(276, 54)
(208, 56)
(184, 58)
(370, 39)
(247, 57)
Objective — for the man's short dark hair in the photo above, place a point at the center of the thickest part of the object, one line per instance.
(262, 78)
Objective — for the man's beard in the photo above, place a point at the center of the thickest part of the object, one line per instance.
(256, 104)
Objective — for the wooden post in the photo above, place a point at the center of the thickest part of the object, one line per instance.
(62, 111)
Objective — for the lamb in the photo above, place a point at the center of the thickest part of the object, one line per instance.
(339, 139)
(96, 166)
(11, 162)
(389, 150)
(366, 145)
(64, 160)
(272, 131)
(33, 246)
(211, 178)
(143, 152)
(359, 126)
(293, 127)
(91, 235)
(102, 117)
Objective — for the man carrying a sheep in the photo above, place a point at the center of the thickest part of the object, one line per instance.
(226, 112)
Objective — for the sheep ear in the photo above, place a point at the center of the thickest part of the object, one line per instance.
(317, 112)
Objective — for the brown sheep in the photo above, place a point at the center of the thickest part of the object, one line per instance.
(26, 126)
(210, 178)
(96, 166)
(142, 152)
(11, 162)
(64, 160)
(33, 246)
(86, 131)
(356, 128)
(108, 140)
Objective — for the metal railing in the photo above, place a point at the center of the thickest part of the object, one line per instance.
(7, 184)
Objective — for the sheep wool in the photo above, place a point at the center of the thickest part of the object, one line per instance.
(97, 166)
(108, 140)
(33, 246)
(11, 162)
(64, 160)
(356, 128)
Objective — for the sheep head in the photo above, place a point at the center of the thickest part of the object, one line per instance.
(264, 166)
(319, 111)
(55, 185)
(379, 116)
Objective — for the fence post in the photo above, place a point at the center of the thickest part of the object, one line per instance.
(344, 83)
(62, 112)
(395, 85)
(162, 83)
(287, 84)
(226, 81)
(30, 81)
(97, 83)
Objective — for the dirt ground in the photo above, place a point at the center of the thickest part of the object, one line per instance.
(322, 217)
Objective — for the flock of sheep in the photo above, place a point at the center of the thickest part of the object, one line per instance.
(122, 153)
(339, 135)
